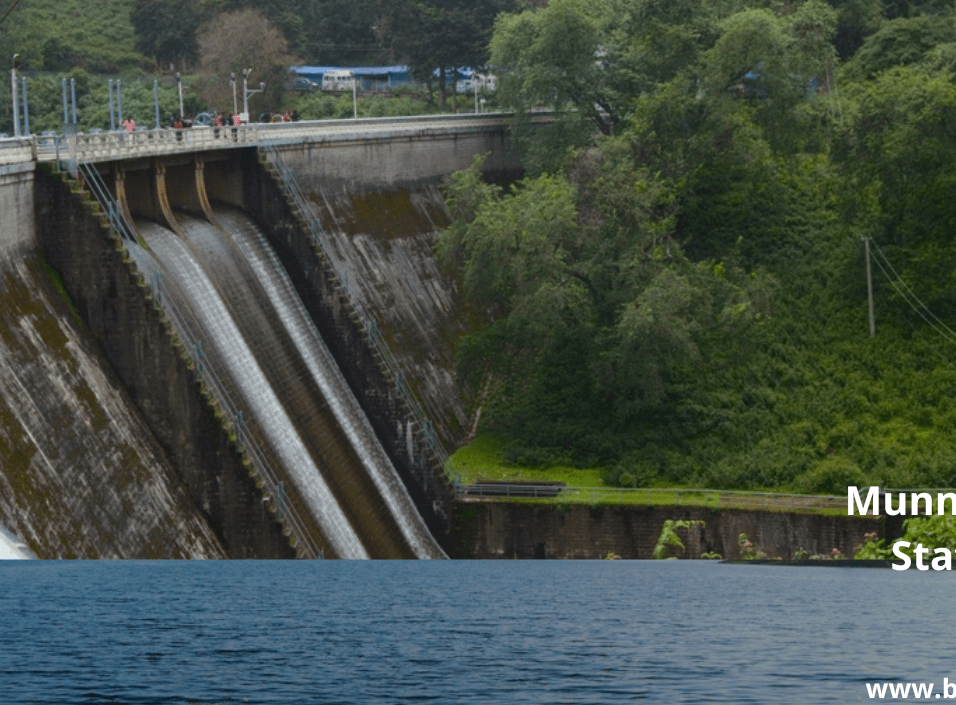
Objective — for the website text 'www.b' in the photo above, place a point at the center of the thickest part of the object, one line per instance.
(915, 691)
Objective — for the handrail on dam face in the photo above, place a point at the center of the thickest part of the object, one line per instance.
(193, 347)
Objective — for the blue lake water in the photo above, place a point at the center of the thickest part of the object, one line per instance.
(465, 632)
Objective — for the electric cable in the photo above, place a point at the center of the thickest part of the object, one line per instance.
(949, 335)
(9, 10)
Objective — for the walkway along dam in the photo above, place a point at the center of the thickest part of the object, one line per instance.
(232, 342)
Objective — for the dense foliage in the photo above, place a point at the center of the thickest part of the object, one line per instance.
(678, 289)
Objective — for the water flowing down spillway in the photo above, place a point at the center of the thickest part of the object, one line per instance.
(259, 343)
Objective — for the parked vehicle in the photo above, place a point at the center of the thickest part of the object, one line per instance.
(304, 84)
(338, 80)
(484, 82)
(206, 118)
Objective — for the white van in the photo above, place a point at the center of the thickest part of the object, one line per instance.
(338, 80)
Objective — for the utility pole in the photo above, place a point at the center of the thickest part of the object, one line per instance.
(869, 287)
(13, 88)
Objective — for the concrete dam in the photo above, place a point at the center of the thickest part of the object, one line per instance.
(232, 344)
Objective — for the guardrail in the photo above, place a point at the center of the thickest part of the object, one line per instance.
(710, 499)
(120, 144)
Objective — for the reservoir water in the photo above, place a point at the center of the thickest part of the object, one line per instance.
(465, 632)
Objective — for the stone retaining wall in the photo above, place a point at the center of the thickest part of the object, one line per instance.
(516, 530)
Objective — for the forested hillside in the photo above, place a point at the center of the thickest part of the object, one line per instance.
(206, 42)
(678, 292)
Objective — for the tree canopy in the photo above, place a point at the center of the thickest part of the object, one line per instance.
(676, 291)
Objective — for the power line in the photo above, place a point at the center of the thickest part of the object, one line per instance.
(908, 294)
(912, 293)
(9, 10)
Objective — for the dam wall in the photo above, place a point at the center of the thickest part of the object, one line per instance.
(379, 206)
(514, 530)
(347, 337)
(81, 476)
(369, 162)
(155, 371)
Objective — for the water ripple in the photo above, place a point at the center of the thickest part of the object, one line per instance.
(395, 632)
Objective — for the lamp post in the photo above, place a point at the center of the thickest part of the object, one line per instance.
(156, 100)
(246, 92)
(179, 82)
(13, 87)
(112, 114)
(232, 81)
(26, 108)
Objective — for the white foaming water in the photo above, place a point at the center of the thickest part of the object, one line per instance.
(326, 374)
(195, 292)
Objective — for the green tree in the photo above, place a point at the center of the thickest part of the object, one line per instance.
(897, 153)
(440, 35)
(553, 56)
(238, 40)
(901, 42)
(166, 30)
(591, 306)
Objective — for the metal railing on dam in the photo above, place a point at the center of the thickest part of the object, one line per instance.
(709, 499)
(108, 146)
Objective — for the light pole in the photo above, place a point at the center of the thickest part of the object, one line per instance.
(245, 95)
(179, 82)
(156, 100)
(26, 108)
(232, 80)
(13, 87)
(246, 92)
(112, 114)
